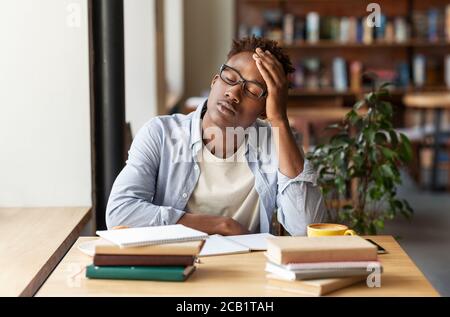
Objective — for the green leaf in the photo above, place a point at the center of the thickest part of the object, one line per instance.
(405, 151)
(386, 171)
(388, 153)
(393, 137)
(359, 104)
(352, 117)
(385, 85)
(380, 138)
(385, 108)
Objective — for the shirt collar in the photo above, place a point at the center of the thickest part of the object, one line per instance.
(196, 125)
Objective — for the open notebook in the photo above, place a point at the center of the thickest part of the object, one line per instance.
(134, 237)
(218, 245)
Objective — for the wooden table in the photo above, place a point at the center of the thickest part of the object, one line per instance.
(32, 242)
(230, 276)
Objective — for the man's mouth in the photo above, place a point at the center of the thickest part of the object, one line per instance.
(226, 108)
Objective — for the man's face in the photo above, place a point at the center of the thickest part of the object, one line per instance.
(229, 106)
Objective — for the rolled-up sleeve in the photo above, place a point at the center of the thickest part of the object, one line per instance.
(300, 201)
(130, 201)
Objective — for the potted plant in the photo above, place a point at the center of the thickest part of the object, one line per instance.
(359, 167)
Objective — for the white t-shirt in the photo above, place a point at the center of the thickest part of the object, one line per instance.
(226, 187)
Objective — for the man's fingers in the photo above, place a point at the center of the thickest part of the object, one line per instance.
(273, 69)
(264, 71)
(267, 57)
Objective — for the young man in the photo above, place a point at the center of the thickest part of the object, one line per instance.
(221, 169)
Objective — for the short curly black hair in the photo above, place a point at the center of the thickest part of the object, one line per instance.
(250, 44)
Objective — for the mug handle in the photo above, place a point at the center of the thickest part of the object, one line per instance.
(350, 233)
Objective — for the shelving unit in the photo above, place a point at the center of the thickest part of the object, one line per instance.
(378, 55)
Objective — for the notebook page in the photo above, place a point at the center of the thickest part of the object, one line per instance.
(217, 245)
(255, 242)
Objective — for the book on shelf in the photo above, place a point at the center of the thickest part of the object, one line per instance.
(360, 30)
(367, 33)
(316, 287)
(344, 30)
(288, 29)
(355, 75)
(447, 70)
(335, 31)
(402, 80)
(380, 31)
(340, 74)
(389, 32)
(285, 250)
(433, 25)
(353, 29)
(312, 27)
(420, 25)
(299, 31)
(152, 273)
(419, 70)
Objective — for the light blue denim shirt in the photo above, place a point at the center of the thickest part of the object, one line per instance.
(162, 171)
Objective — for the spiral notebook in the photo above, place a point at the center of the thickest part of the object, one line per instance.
(134, 237)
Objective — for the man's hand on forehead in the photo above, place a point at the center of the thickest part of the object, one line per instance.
(277, 84)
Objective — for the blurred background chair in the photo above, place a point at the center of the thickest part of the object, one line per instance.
(433, 136)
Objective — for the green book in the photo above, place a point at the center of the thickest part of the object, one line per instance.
(154, 273)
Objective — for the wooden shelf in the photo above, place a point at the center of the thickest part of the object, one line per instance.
(349, 45)
(324, 92)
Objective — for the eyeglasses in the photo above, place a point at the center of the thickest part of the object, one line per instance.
(250, 88)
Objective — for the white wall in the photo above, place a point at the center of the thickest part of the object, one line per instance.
(45, 157)
(174, 48)
(140, 61)
(209, 26)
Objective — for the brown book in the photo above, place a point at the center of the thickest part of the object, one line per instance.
(316, 287)
(286, 250)
(191, 248)
(143, 260)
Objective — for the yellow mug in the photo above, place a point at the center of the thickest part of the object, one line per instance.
(329, 229)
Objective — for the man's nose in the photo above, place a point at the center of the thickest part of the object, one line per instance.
(234, 93)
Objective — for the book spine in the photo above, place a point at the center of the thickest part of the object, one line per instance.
(288, 29)
(312, 27)
(135, 273)
(340, 74)
(167, 250)
(355, 76)
(447, 71)
(433, 15)
(344, 30)
(419, 70)
(139, 260)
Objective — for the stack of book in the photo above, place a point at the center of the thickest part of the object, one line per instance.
(137, 255)
(317, 266)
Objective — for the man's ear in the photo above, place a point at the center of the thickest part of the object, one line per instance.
(214, 80)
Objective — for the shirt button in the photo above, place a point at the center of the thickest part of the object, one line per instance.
(184, 195)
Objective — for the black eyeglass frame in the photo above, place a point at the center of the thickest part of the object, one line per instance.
(243, 82)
